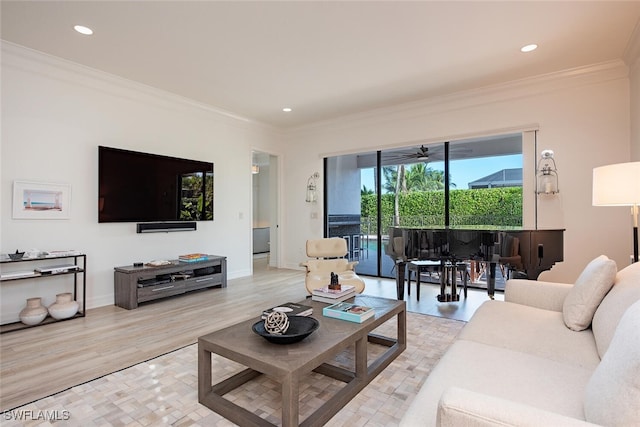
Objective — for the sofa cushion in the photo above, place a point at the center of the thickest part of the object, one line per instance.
(327, 247)
(537, 293)
(587, 293)
(625, 291)
(327, 265)
(531, 330)
(613, 393)
(507, 374)
(460, 407)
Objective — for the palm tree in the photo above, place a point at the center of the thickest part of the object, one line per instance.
(366, 191)
(390, 175)
(395, 183)
(422, 178)
(401, 187)
(417, 177)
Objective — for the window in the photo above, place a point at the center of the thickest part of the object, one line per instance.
(468, 183)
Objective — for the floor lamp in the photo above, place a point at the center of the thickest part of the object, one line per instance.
(619, 185)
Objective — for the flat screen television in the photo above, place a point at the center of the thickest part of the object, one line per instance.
(143, 187)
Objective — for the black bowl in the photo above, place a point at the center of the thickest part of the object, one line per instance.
(300, 327)
(16, 256)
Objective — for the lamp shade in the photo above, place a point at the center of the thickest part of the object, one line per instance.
(617, 185)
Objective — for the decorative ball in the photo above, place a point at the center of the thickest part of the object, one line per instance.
(276, 323)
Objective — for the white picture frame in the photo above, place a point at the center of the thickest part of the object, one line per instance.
(39, 200)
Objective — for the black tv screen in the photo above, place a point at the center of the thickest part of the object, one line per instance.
(142, 187)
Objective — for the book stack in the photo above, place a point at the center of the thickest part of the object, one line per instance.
(333, 296)
(56, 269)
(291, 309)
(193, 257)
(348, 311)
(53, 254)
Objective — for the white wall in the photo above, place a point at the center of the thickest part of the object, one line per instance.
(345, 182)
(635, 110)
(583, 115)
(54, 116)
(261, 195)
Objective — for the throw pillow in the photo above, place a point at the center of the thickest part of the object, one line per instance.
(613, 393)
(625, 291)
(587, 293)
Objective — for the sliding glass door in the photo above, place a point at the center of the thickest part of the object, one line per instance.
(485, 188)
(468, 183)
(351, 208)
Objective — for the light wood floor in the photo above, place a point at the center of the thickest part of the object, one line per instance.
(40, 361)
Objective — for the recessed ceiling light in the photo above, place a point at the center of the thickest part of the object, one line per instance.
(528, 48)
(83, 30)
(287, 109)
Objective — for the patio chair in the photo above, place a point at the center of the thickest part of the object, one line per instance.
(510, 258)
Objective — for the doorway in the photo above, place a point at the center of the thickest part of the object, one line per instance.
(264, 224)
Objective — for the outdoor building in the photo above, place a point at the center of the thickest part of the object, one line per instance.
(502, 178)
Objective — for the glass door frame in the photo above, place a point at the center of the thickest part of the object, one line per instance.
(379, 253)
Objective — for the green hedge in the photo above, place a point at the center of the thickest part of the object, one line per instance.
(485, 206)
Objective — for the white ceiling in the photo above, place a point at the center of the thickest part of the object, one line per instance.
(324, 59)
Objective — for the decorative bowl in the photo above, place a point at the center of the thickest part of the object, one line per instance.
(300, 327)
(16, 256)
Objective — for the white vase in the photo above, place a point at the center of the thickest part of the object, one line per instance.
(64, 307)
(34, 312)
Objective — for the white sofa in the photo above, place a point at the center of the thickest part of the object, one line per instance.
(517, 362)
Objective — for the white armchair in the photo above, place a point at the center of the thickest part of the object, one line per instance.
(327, 256)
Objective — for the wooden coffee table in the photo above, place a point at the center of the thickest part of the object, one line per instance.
(287, 364)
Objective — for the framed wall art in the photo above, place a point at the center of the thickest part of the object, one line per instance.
(38, 200)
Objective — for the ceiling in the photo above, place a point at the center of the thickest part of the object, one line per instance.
(324, 59)
(423, 152)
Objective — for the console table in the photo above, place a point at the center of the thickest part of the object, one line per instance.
(77, 270)
(134, 285)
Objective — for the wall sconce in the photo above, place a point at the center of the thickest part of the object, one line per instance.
(312, 185)
(255, 169)
(547, 174)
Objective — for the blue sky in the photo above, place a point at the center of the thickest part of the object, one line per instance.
(464, 171)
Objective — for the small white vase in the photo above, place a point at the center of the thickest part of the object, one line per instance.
(34, 312)
(64, 307)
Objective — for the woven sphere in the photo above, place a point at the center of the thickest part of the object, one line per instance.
(276, 323)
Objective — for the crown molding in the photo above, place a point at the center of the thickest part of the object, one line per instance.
(34, 61)
(632, 52)
(517, 89)
(50, 66)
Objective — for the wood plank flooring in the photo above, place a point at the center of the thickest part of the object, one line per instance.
(40, 361)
